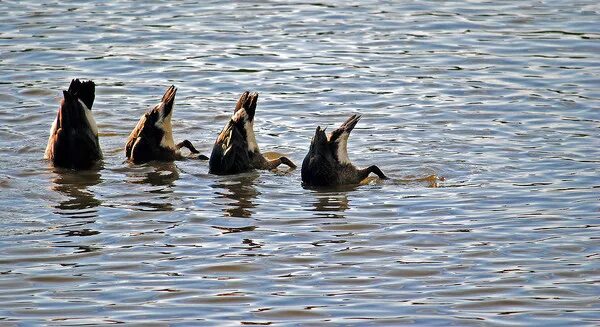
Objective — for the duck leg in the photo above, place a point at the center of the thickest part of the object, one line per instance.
(272, 164)
(187, 144)
(287, 162)
(372, 169)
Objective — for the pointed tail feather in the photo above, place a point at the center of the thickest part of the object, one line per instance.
(85, 91)
(349, 124)
(346, 127)
(69, 114)
(247, 101)
(241, 101)
(168, 100)
(169, 95)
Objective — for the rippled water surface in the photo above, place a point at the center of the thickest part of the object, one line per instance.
(484, 114)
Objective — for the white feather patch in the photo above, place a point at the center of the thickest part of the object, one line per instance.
(239, 115)
(49, 146)
(342, 148)
(249, 127)
(164, 123)
(250, 137)
(90, 118)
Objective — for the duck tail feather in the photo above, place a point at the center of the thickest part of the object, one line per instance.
(169, 97)
(346, 127)
(168, 101)
(84, 91)
(247, 101)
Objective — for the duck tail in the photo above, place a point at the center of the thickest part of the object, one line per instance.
(247, 101)
(169, 97)
(349, 124)
(71, 114)
(84, 91)
(63, 119)
(319, 143)
(167, 102)
(346, 127)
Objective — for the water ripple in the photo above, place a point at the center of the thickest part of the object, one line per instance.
(484, 115)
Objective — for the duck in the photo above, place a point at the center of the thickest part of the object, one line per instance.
(73, 141)
(152, 137)
(236, 150)
(327, 162)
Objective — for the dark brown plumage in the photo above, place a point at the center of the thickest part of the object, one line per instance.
(235, 149)
(327, 162)
(152, 137)
(73, 141)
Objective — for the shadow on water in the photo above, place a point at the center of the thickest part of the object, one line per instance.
(241, 191)
(75, 185)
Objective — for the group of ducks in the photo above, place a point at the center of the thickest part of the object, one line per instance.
(73, 141)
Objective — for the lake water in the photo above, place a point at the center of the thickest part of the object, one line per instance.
(485, 115)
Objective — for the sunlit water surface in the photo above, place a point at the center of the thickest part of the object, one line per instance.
(485, 116)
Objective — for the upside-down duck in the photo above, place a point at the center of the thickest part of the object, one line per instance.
(235, 150)
(152, 137)
(73, 141)
(327, 162)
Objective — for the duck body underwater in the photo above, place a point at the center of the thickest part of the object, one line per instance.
(73, 141)
(327, 162)
(152, 137)
(235, 150)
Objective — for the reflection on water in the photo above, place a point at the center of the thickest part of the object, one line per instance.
(81, 204)
(432, 181)
(499, 97)
(76, 186)
(241, 192)
(331, 204)
(154, 173)
(164, 174)
(158, 179)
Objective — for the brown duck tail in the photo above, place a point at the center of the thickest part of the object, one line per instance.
(349, 124)
(168, 100)
(74, 144)
(247, 101)
(346, 127)
(84, 91)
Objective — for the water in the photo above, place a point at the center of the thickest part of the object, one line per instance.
(494, 104)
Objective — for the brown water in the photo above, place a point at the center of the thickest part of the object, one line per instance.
(485, 115)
